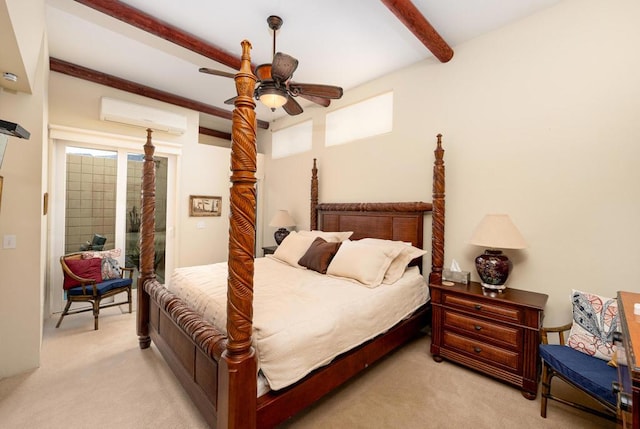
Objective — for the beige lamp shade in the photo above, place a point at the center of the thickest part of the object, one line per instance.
(282, 219)
(497, 231)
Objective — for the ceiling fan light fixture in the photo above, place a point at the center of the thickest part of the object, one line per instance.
(272, 97)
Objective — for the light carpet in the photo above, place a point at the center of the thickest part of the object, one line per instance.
(102, 379)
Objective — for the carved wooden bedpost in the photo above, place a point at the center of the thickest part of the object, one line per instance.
(437, 234)
(237, 384)
(147, 240)
(314, 196)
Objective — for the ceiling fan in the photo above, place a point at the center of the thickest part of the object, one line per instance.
(275, 88)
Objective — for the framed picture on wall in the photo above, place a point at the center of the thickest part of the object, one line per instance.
(201, 205)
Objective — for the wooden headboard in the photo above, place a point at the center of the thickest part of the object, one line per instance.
(390, 221)
(387, 221)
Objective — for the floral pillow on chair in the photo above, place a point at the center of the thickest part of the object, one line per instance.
(595, 319)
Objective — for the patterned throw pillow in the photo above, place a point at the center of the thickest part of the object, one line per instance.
(113, 253)
(595, 319)
(110, 269)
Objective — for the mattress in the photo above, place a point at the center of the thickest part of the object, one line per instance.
(302, 319)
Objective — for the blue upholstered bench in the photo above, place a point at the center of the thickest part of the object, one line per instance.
(587, 373)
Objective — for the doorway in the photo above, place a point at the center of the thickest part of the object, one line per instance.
(97, 193)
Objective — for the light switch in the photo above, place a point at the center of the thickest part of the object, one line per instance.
(9, 242)
(200, 225)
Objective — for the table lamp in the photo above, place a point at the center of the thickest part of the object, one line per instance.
(496, 231)
(281, 220)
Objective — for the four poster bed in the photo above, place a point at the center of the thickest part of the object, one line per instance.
(218, 366)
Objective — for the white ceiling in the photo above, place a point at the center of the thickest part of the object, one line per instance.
(337, 42)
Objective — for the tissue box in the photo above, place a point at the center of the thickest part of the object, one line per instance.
(463, 277)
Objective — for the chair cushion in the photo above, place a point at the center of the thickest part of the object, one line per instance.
(85, 268)
(591, 374)
(102, 287)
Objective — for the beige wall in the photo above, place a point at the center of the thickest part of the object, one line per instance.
(541, 120)
(22, 270)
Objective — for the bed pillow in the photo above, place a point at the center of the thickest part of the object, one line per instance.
(398, 266)
(595, 319)
(329, 236)
(363, 263)
(319, 255)
(85, 268)
(292, 248)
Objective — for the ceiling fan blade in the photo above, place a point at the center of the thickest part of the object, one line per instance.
(315, 90)
(292, 107)
(324, 102)
(216, 72)
(232, 100)
(263, 72)
(282, 67)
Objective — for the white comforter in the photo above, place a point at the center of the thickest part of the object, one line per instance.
(302, 319)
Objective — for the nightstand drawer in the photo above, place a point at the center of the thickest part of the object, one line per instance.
(502, 334)
(482, 351)
(501, 312)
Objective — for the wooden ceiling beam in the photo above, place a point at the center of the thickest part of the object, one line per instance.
(214, 133)
(148, 23)
(411, 17)
(101, 78)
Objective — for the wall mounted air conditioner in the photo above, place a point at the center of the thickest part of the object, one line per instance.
(142, 116)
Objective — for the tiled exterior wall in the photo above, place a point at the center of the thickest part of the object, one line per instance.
(91, 200)
(91, 203)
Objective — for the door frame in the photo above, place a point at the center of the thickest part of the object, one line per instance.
(59, 138)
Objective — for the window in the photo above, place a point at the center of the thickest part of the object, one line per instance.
(365, 119)
(291, 140)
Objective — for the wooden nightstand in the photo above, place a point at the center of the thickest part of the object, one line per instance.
(497, 334)
(269, 250)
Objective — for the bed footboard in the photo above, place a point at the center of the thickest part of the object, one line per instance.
(191, 347)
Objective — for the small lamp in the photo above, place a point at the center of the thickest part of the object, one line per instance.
(496, 231)
(281, 220)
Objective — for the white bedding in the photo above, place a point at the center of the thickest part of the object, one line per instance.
(302, 319)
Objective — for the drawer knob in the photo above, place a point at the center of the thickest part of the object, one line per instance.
(477, 327)
(478, 307)
(477, 349)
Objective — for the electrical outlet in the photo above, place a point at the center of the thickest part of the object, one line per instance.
(9, 242)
